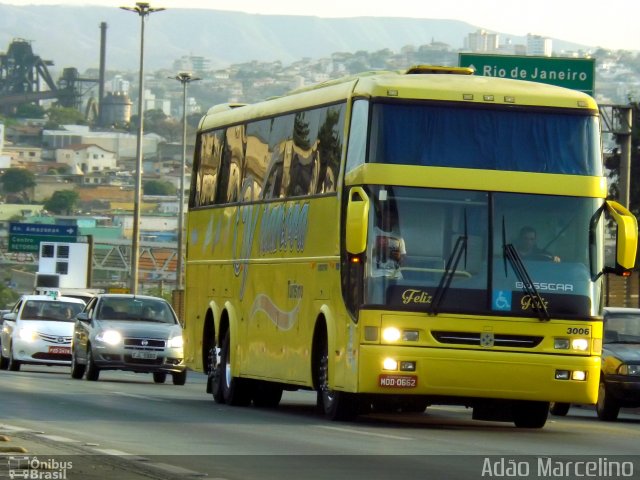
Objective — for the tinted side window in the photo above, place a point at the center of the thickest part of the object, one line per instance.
(280, 147)
(305, 161)
(330, 142)
(231, 165)
(256, 160)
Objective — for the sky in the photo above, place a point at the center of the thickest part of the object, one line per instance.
(613, 24)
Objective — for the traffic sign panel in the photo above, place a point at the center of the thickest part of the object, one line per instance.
(26, 237)
(574, 73)
(43, 229)
(31, 243)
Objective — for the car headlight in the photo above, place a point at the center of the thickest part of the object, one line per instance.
(112, 337)
(27, 334)
(626, 369)
(176, 342)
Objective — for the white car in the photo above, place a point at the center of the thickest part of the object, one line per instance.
(38, 330)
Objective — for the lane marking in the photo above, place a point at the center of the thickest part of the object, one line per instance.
(360, 432)
(177, 470)
(108, 451)
(57, 438)
(142, 397)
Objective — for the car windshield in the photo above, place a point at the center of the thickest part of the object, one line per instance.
(136, 309)
(60, 311)
(622, 327)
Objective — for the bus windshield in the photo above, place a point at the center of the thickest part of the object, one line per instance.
(439, 250)
(497, 139)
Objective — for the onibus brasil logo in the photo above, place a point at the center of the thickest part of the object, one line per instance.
(33, 468)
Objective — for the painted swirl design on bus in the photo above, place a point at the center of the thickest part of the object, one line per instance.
(282, 319)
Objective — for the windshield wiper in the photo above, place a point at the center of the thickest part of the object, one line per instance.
(451, 267)
(511, 254)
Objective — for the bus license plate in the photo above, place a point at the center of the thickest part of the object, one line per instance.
(144, 355)
(60, 350)
(398, 381)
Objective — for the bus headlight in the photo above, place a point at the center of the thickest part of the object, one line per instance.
(391, 334)
(390, 364)
(581, 344)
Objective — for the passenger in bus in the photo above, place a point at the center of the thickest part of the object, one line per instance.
(528, 249)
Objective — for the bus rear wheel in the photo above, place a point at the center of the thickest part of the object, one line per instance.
(334, 404)
(235, 391)
(530, 414)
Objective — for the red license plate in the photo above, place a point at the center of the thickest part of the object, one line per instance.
(398, 381)
(60, 350)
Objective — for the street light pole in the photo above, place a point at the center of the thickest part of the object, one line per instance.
(143, 10)
(184, 78)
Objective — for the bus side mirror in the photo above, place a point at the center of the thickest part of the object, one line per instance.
(627, 238)
(357, 221)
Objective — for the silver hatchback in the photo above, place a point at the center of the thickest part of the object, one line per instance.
(136, 333)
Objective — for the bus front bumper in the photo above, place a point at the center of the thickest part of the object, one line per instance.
(471, 373)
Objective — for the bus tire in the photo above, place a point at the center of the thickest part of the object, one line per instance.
(266, 394)
(559, 409)
(336, 405)
(530, 414)
(236, 391)
(607, 408)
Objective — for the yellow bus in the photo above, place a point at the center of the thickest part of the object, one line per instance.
(361, 238)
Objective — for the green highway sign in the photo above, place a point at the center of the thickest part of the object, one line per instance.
(26, 237)
(574, 73)
(31, 243)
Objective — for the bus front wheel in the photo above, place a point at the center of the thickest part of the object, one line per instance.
(529, 414)
(334, 404)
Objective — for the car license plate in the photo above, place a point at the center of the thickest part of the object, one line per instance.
(60, 350)
(144, 355)
(398, 381)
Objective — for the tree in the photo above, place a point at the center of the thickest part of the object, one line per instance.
(29, 110)
(64, 116)
(16, 181)
(62, 202)
(158, 187)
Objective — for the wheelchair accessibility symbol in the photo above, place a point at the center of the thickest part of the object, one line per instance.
(502, 300)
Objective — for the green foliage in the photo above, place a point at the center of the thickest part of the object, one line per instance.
(64, 116)
(62, 202)
(16, 180)
(8, 297)
(158, 187)
(29, 110)
(155, 121)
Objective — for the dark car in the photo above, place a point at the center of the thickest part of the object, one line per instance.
(620, 371)
(135, 333)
